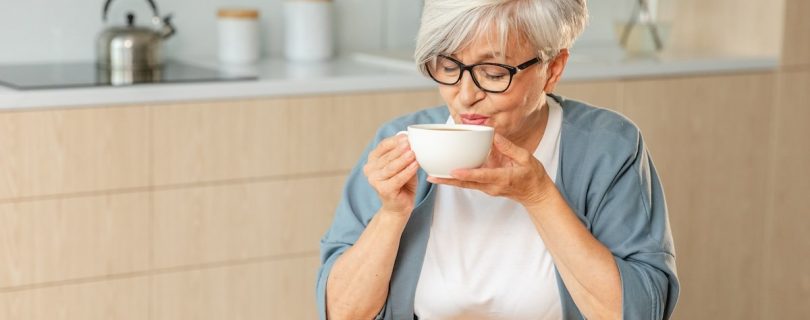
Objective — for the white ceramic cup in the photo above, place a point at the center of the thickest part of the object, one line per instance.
(442, 148)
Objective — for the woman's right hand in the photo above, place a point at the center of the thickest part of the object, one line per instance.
(391, 171)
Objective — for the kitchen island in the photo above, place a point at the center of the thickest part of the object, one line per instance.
(207, 200)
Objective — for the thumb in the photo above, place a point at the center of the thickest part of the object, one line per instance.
(509, 149)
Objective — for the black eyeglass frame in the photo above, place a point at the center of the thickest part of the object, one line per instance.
(512, 71)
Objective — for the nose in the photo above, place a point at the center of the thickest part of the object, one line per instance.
(469, 93)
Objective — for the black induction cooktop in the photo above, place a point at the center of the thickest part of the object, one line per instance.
(88, 74)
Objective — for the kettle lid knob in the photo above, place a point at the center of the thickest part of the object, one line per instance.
(130, 19)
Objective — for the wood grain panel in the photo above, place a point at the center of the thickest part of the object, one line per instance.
(796, 43)
(283, 289)
(605, 94)
(113, 299)
(787, 276)
(218, 140)
(62, 151)
(724, 26)
(62, 239)
(253, 138)
(334, 137)
(707, 136)
(222, 223)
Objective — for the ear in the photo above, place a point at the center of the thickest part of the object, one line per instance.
(555, 70)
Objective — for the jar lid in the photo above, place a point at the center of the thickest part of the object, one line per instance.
(238, 13)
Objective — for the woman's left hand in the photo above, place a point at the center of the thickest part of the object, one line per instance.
(510, 171)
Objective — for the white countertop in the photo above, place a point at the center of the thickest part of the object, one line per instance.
(357, 73)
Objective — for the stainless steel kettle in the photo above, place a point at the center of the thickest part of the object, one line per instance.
(132, 48)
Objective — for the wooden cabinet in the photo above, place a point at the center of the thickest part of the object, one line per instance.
(48, 152)
(214, 210)
(787, 225)
(709, 137)
(274, 289)
(123, 297)
(796, 42)
(195, 142)
(210, 210)
(724, 26)
(234, 222)
(67, 238)
(605, 94)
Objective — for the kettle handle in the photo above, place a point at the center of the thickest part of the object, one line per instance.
(107, 7)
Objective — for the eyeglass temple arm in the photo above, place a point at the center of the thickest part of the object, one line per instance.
(528, 63)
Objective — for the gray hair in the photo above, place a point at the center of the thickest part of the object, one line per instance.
(547, 25)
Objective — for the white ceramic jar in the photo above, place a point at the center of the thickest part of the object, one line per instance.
(238, 36)
(308, 30)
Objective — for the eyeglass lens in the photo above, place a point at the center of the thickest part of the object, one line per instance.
(489, 77)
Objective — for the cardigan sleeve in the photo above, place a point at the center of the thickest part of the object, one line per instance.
(630, 218)
(358, 203)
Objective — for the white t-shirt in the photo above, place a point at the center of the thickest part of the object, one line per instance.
(484, 258)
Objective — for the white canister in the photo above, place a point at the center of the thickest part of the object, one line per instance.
(238, 36)
(308, 30)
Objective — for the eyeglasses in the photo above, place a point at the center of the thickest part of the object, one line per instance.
(489, 77)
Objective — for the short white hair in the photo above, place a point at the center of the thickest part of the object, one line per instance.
(547, 25)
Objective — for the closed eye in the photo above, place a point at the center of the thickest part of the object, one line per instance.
(449, 69)
(495, 76)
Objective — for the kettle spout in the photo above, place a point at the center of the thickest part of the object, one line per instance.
(168, 29)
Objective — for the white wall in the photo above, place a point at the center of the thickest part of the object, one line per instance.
(65, 30)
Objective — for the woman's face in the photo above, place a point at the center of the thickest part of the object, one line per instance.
(513, 113)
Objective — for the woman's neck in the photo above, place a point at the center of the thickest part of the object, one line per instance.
(530, 136)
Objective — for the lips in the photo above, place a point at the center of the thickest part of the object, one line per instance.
(476, 119)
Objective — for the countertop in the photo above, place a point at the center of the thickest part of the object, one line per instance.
(360, 73)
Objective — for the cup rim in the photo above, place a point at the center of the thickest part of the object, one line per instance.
(470, 127)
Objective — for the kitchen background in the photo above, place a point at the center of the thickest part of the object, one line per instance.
(207, 200)
(61, 25)
(65, 30)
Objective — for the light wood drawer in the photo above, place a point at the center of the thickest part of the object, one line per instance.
(283, 289)
(64, 151)
(258, 138)
(122, 299)
(62, 239)
(222, 223)
(604, 94)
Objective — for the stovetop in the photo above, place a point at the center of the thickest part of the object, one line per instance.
(87, 74)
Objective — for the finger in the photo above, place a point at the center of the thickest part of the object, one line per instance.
(392, 154)
(385, 146)
(481, 175)
(397, 165)
(384, 158)
(405, 175)
(458, 183)
(492, 160)
(510, 149)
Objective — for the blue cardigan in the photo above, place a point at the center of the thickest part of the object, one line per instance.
(605, 174)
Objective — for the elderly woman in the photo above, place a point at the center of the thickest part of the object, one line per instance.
(566, 219)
